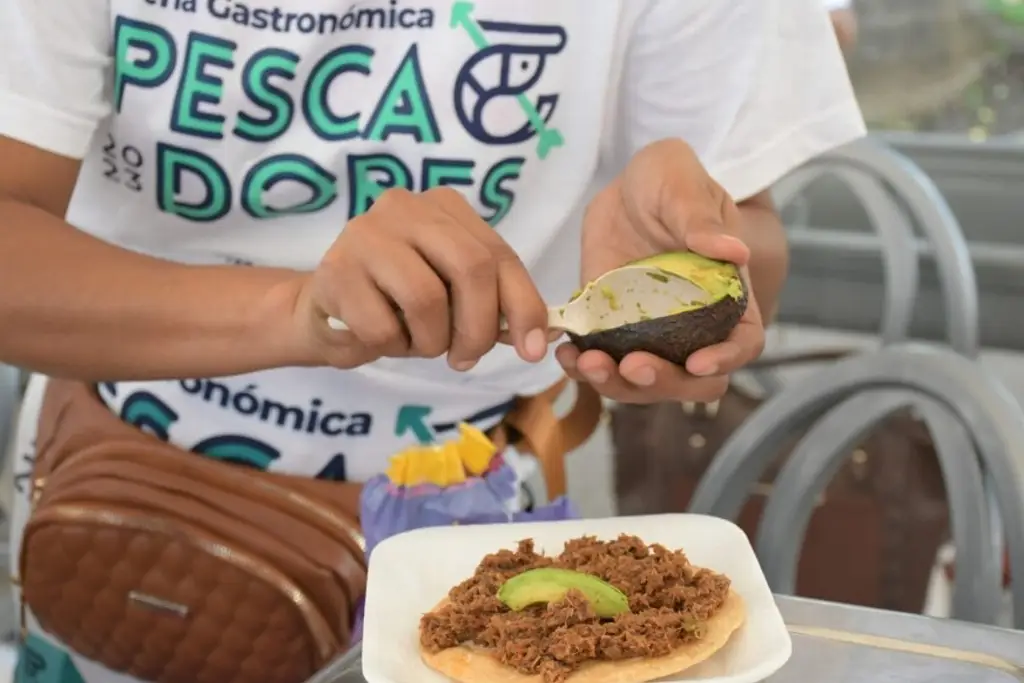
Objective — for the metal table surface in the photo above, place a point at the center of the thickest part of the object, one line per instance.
(843, 644)
(835, 643)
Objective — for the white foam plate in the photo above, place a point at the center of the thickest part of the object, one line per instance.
(412, 572)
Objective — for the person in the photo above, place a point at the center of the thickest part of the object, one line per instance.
(190, 188)
(844, 23)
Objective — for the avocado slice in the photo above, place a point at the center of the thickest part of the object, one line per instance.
(549, 584)
(675, 337)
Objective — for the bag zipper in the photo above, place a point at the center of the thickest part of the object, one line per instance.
(322, 511)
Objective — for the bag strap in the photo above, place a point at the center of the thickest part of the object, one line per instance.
(537, 431)
(74, 420)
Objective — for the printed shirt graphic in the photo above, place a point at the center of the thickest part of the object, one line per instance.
(249, 132)
(323, 111)
(257, 133)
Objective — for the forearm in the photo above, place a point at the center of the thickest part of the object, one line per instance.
(74, 306)
(763, 232)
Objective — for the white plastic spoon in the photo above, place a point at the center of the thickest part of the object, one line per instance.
(619, 297)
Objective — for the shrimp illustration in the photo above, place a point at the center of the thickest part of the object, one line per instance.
(491, 88)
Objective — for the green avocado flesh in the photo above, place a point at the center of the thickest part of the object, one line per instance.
(692, 326)
(546, 585)
(717, 278)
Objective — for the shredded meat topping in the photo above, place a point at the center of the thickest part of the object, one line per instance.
(669, 602)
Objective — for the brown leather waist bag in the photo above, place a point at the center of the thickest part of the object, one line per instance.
(178, 568)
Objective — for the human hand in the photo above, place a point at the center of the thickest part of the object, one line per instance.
(421, 275)
(664, 200)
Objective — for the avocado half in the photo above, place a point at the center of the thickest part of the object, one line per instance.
(549, 584)
(675, 337)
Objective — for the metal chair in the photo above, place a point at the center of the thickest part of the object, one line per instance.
(891, 225)
(962, 405)
(893, 190)
(896, 195)
(821, 453)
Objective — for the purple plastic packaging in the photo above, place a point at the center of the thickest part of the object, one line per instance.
(387, 509)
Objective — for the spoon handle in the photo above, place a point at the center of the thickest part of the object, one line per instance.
(555, 321)
(336, 324)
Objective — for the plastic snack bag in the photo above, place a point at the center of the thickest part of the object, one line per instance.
(464, 481)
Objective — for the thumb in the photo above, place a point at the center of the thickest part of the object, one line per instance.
(713, 229)
(718, 245)
(685, 206)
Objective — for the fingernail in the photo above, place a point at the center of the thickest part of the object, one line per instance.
(596, 376)
(704, 370)
(644, 376)
(536, 344)
(464, 365)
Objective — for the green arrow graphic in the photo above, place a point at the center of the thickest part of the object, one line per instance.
(547, 138)
(462, 17)
(414, 419)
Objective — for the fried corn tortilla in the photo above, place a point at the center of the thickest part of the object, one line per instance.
(469, 664)
(600, 611)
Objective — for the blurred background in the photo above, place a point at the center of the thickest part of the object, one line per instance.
(941, 66)
(916, 234)
(942, 81)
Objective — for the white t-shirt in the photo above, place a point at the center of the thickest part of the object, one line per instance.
(244, 131)
(250, 131)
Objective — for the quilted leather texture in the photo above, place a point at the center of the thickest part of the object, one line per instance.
(176, 568)
(238, 628)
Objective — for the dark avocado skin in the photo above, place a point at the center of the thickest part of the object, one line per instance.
(673, 337)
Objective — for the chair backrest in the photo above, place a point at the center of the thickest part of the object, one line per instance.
(900, 263)
(893, 189)
(823, 450)
(956, 390)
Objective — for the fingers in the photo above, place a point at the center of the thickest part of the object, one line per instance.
(712, 229)
(744, 345)
(644, 378)
(639, 378)
(668, 193)
(668, 382)
(424, 275)
(389, 297)
(469, 269)
(504, 337)
(518, 298)
(718, 245)
(367, 313)
(407, 280)
(523, 308)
